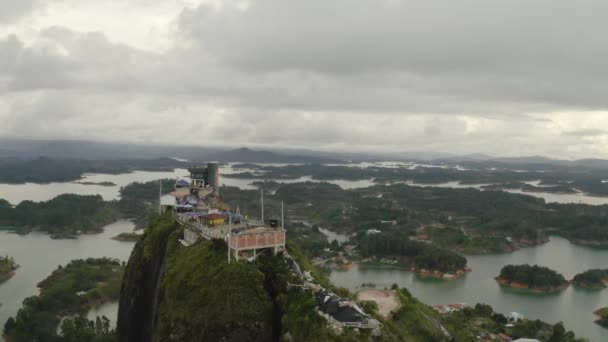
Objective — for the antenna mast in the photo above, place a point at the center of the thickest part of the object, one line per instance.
(262, 204)
(282, 217)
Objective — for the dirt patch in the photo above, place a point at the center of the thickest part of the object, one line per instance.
(387, 300)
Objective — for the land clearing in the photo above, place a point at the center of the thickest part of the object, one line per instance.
(387, 300)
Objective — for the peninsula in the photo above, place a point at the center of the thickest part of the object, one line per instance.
(603, 317)
(7, 268)
(71, 289)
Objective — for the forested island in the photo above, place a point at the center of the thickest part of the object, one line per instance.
(131, 237)
(535, 278)
(69, 290)
(64, 216)
(8, 266)
(603, 317)
(97, 183)
(591, 279)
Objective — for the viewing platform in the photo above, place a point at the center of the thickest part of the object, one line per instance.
(244, 240)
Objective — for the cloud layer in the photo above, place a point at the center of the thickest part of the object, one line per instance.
(509, 78)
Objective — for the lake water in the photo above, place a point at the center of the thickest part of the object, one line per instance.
(15, 193)
(39, 255)
(574, 307)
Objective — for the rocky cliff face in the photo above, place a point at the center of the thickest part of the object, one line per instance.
(172, 293)
(141, 287)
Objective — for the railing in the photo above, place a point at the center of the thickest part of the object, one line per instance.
(206, 232)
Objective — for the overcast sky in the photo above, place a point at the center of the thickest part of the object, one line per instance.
(516, 77)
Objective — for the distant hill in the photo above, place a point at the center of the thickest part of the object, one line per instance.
(247, 155)
(91, 150)
(31, 149)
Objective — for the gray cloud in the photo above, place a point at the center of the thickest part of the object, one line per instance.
(475, 76)
(12, 10)
(586, 133)
(474, 49)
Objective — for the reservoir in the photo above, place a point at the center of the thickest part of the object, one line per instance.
(572, 306)
(15, 193)
(39, 255)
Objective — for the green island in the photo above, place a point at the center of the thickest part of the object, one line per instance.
(535, 278)
(70, 290)
(603, 317)
(132, 237)
(591, 279)
(8, 266)
(201, 296)
(97, 183)
(64, 216)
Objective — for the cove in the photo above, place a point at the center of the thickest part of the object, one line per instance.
(572, 306)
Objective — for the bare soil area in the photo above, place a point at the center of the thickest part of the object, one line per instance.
(387, 300)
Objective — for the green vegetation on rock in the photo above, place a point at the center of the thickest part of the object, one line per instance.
(177, 293)
(223, 300)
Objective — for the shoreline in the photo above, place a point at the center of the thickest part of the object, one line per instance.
(603, 317)
(7, 275)
(518, 286)
(420, 272)
(441, 275)
(589, 243)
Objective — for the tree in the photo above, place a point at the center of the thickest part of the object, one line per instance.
(559, 331)
(484, 310)
(9, 325)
